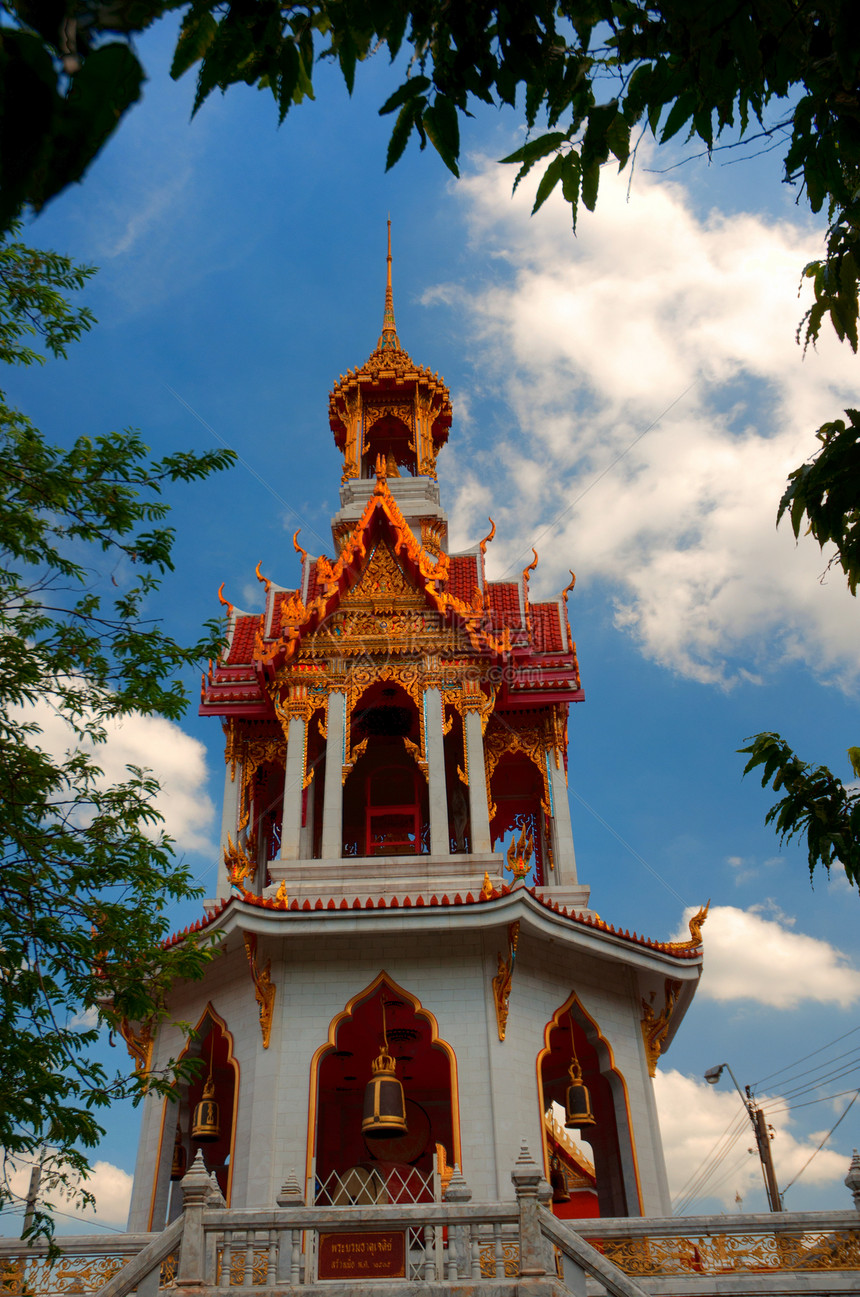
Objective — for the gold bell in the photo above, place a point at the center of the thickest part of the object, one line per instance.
(577, 1103)
(206, 1128)
(384, 1102)
(558, 1181)
(180, 1157)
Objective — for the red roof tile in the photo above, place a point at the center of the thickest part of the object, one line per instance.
(462, 576)
(546, 628)
(313, 583)
(579, 920)
(242, 645)
(505, 603)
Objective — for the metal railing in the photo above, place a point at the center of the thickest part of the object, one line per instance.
(454, 1241)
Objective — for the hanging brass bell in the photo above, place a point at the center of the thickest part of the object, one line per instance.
(384, 1102)
(180, 1157)
(206, 1128)
(577, 1103)
(558, 1181)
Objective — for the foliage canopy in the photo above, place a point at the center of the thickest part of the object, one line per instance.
(591, 77)
(85, 872)
(815, 805)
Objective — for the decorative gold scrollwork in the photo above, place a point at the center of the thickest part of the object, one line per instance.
(655, 1027)
(503, 979)
(697, 922)
(241, 864)
(22, 1276)
(264, 989)
(139, 1044)
(519, 854)
(756, 1253)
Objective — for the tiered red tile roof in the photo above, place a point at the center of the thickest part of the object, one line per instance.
(540, 669)
(582, 919)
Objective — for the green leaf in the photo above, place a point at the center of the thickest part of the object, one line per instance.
(533, 150)
(815, 805)
(548, 182)
(196, 36)
(406, 120)
(590, 183)
(680, 113)
(102, 91)
(618, 139)
(443, 131)
(411, 87)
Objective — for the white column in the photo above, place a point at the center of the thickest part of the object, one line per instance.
(562, 831)
(478, 810)
(440, 842)
(291, 824)
(229, 824)
(332, 833)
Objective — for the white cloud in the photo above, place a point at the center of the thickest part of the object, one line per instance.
(177, 761)
(86, 1020)
(751, 957)
(663, 341)
(109, 1185)
(698, 1122)
(111, 1188)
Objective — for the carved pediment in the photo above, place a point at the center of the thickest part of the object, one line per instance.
(383, 584)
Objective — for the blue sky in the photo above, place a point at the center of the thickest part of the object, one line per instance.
(630, 401)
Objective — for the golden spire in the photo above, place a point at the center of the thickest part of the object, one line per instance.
(388, 339)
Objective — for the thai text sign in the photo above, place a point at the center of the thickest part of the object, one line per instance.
(381, 1255)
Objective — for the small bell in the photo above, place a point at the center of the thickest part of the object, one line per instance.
(558, 1180)
(180, 1157)
(207, 1123)
(577, 1103)
(384, 1103)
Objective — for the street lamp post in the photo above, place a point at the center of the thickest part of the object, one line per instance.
(760, 1130)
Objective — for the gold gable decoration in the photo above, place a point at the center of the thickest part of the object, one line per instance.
(383, 584)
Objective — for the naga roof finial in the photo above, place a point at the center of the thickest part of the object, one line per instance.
(388, 339)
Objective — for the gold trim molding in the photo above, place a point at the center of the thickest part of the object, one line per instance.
(264, 988)
(655, 1027)
(504, 978)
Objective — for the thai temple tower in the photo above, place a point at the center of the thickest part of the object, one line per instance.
(409, 978)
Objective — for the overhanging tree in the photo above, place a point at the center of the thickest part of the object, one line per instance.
(86, 872)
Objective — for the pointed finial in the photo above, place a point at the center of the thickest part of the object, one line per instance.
(852, 1179)
(388, 339)
(291, 1194)
(485, 542)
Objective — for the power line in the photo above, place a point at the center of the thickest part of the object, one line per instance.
(711, 1163)
(823, 1142)
(821, 1080)
(812, 1054)
(849, 1053)
(790, 1107)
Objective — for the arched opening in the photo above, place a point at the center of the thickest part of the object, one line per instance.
(346, 1167)
(313, 794)
(517, 793)
(609, 1142)
(386, 810)
(267, 810)
(459, 824)
(391, 438)
(212, 1044)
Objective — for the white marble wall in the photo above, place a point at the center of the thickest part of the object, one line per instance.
(449, 970)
